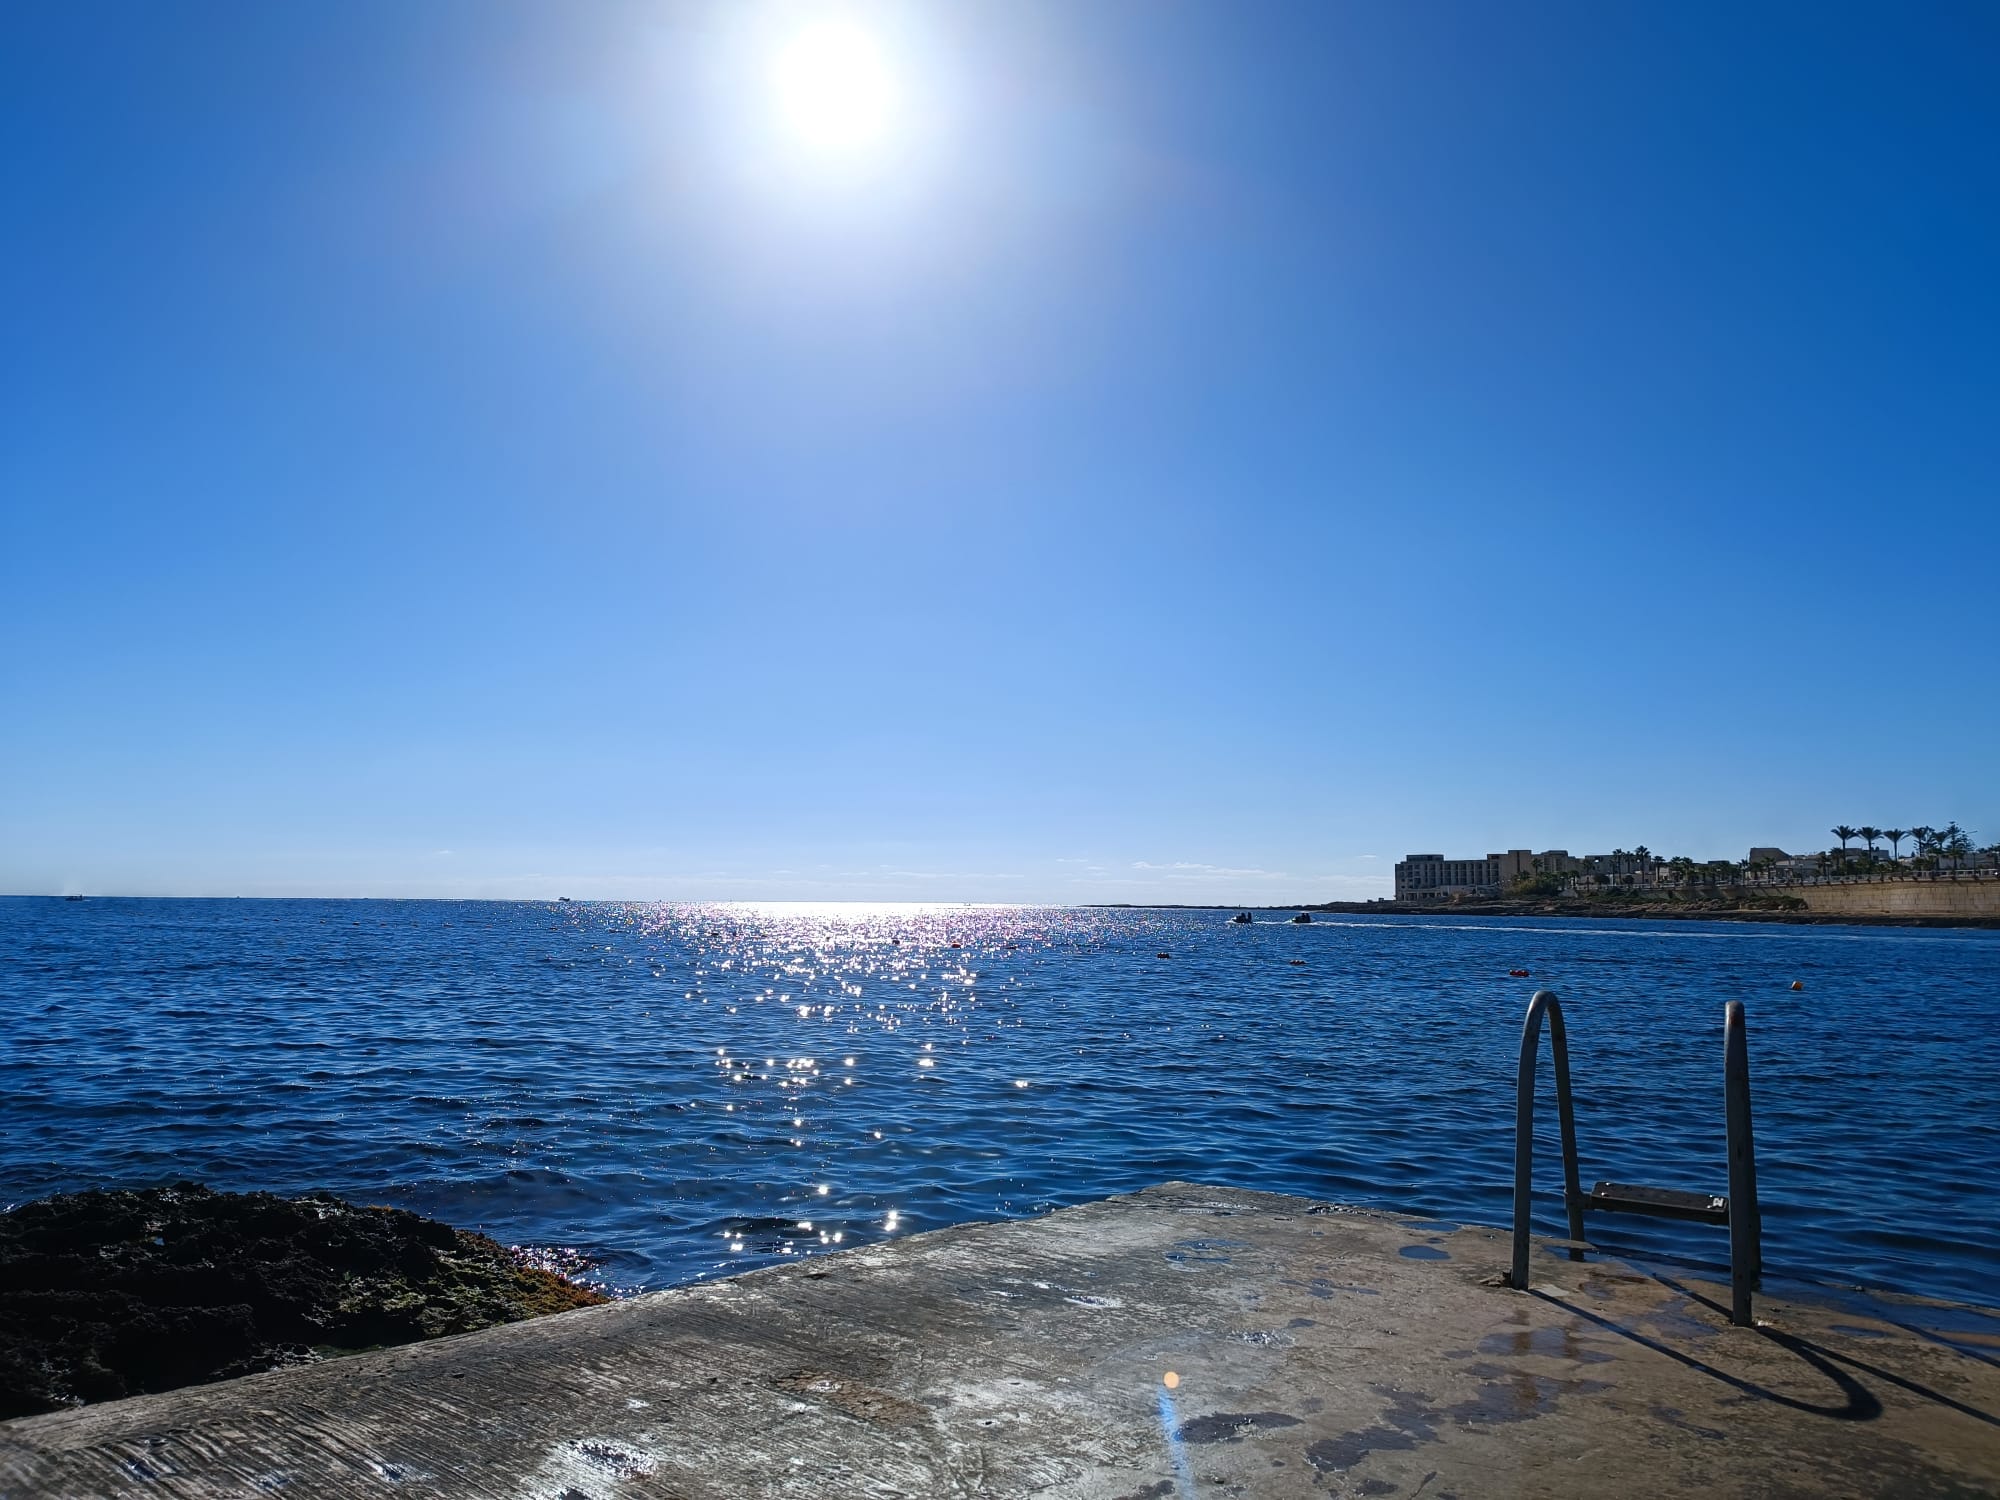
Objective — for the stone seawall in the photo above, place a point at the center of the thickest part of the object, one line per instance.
(1962, 899)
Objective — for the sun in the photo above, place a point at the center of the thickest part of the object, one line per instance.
(834, 87)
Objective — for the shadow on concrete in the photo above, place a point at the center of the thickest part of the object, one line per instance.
(1939, 1330)
(1815, 1354)
(1861, 1404)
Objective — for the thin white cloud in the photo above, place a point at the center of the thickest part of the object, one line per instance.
(956, 875)
(1186, 868)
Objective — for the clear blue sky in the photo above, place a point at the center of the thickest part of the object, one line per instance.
(1189, 452)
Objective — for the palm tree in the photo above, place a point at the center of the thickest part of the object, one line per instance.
(1895, 836)
(1844, 833)
(1870, 834)
(1926, 836)
(1955, 843)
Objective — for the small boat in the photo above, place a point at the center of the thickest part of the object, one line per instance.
(72, 898)
(1242, 919)
(1301, 917)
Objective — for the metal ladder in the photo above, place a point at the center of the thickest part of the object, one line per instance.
(1737, 1211)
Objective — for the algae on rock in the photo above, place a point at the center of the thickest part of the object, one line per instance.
(106, 1294)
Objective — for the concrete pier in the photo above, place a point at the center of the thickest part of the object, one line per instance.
(1184, 1341)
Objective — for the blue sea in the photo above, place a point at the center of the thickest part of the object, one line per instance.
(650, 1094)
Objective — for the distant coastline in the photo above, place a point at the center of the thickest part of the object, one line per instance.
(1653, 911)
(1614, 911)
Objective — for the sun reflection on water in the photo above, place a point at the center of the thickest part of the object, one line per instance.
(673, 1089)
(817, 961)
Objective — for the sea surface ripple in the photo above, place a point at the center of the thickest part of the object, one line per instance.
(660, 1093)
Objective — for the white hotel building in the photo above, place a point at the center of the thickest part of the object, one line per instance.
(1432, 877)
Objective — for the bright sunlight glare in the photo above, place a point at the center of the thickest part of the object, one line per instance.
(834, 87)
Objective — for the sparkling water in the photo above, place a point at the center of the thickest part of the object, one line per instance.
(657, 1093)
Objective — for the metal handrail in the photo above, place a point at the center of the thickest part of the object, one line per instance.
(1746, 1253)
(1544, 1003)
(1746, 1223)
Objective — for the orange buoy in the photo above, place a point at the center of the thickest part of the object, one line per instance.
(1798, 984)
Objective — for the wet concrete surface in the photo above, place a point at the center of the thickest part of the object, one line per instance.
(1184, 1341)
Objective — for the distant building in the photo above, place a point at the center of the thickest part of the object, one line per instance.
(1518, 862)
(1432, 877)
(1778, 865)
(1621, 867)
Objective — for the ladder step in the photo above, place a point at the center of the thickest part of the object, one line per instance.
(1661, 1203)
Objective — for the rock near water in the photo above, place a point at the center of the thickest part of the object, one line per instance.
(115, 1293)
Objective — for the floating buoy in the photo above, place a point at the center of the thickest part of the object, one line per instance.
(1798, 984)
(1163, 955)
(1517, 973)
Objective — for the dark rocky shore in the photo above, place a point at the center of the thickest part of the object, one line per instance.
(109, 1294)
